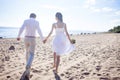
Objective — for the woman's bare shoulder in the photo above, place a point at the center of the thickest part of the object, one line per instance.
(53, 25)
(64, 23)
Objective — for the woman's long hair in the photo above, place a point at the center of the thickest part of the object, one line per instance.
(59, 16)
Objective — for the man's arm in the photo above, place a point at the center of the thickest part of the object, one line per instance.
(40, 32)
(21, 30)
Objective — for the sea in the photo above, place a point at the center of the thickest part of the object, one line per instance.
(12, 32)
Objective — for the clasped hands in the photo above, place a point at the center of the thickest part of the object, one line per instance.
(44, 41)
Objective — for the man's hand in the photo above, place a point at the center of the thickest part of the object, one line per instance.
(44, 41)
(18, 39)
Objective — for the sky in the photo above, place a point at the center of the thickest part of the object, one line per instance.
(88, 15)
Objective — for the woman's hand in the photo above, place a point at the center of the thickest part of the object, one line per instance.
(18, 39)
(44, 41)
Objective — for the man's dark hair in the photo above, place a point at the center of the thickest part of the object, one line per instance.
(32, 15)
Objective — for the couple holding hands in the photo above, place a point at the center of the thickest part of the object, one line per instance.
(61, 44)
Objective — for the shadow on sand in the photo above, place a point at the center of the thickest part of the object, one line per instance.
(57, 77)
(24, 76)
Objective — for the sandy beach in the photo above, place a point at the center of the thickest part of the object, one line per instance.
(96, 57)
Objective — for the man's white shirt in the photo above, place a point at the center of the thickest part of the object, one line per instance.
(31, 26)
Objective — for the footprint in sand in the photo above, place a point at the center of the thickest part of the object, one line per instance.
(110, 68)
(31, 75)
(12, 48)
(98, 74)
(94, 73)
(3, 60)
(62, 74)
(73, 78)
(98, 68)
(8, 76)
(85, 73)
(1, 69)
(104, 78)
(7, 58)
(36, 71)
(118, 69)
(82, 77)
(116, 78)
(16, 76)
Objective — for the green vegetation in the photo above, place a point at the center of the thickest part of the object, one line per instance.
(115, 29)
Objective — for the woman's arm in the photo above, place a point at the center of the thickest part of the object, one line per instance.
(67, 33)
(49, 33)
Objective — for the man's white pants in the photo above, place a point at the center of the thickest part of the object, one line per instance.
(30, 49)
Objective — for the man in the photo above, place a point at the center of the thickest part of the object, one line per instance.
(30, 26)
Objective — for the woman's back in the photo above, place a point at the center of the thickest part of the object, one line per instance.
(59, 28)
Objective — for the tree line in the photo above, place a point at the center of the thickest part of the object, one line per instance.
(115, 29)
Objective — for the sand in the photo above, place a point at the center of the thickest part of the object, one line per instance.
(96, 57)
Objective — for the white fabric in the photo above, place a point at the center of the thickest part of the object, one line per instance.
(31, 26)
(60, 44)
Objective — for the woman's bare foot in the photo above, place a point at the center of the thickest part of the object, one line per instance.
(55, 71)
(54, 65)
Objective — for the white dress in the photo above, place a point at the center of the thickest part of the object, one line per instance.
(61, 44)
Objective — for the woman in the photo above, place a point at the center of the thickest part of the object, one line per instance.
(61, 43)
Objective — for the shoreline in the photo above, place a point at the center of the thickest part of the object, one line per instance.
(95, 33)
